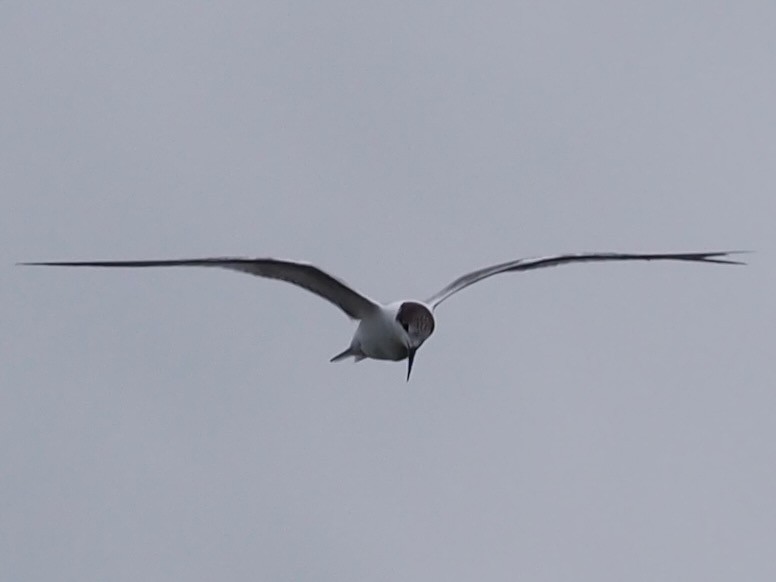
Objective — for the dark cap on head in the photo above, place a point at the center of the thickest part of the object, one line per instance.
(417, 316)
(418, 322)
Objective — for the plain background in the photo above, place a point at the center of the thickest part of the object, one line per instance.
(591, 422)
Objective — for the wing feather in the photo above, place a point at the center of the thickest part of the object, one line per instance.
(304, 275)
(537, 263)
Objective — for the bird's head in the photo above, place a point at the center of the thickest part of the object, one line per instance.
(417, 322)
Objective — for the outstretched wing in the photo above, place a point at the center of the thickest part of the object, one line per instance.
(552, 261)
(307, 276)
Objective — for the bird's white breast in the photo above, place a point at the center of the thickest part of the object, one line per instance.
(380, 336)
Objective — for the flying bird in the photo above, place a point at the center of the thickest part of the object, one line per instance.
(393, 331)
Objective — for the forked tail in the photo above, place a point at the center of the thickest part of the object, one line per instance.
(357, 355)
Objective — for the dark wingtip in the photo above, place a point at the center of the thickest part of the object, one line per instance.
(45, 264)
(721, 257)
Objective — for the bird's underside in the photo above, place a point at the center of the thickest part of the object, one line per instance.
(410, 330)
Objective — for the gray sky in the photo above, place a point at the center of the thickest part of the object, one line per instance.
(596, 422)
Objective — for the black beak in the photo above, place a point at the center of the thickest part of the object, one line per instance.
(410, 359)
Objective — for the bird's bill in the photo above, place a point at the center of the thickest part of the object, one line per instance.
(410, 359)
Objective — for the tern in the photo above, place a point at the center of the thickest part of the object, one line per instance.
(393, 331)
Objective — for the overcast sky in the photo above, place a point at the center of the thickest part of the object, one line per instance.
(592, 422)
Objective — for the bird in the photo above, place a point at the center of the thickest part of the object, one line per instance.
(393, 331)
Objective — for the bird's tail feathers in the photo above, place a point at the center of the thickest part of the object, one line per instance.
(357, 355)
